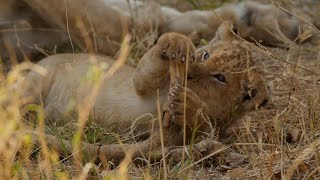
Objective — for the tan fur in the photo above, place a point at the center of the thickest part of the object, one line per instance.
(105, 21)
(264, 23)
(132, 92)
(23, 32)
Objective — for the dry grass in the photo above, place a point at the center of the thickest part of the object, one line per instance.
(281, 141)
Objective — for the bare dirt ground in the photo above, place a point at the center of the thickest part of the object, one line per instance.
(280, 141)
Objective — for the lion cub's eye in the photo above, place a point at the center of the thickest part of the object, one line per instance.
(220, 78)
(205, 55)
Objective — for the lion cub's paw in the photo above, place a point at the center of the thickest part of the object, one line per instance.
(176, 46)
(195, 107)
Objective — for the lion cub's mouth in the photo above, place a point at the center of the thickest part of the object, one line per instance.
(189, 77)
(264, 103)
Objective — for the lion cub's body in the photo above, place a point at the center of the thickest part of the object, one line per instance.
(105, 21)
(66, 83)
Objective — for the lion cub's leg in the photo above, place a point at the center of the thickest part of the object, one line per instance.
(153, 70)
(186, 107)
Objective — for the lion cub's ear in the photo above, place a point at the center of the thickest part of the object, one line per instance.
(225, 32)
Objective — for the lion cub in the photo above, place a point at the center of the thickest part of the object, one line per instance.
(105, 21)
(255, 21)
(222, 83)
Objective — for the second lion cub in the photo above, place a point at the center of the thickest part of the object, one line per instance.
(222, 82)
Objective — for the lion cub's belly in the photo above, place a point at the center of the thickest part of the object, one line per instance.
(72, 83)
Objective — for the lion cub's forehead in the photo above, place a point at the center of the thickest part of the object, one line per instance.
(231, 56)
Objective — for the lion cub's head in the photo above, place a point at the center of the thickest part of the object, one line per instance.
(228, 77)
